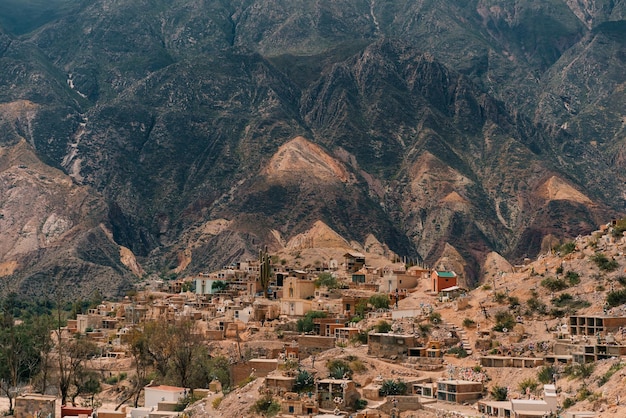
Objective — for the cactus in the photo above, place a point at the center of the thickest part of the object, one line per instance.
(265, 270)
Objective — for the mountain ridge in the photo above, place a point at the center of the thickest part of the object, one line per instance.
(444, 122)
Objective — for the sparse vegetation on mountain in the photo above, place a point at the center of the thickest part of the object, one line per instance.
(604, 263)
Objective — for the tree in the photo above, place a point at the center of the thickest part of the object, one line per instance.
(158, 344)
(137, 345)
(383, 326)
(19, 359)
(186, 343)
(379, 301)
(71, 355)
(306, 324)
(327, 280)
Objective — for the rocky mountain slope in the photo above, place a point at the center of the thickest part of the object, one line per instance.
(437, 127)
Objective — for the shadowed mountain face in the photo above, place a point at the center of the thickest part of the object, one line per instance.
(475, 126)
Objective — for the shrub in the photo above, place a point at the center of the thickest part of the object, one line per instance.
(575, 371)
(459, 351)
(327, 280)
(339, 369)
(568, 402)
(379, 301)
(358, 366)
(616, 298)
(392, 387)
(566, 248)
(553, 284)
(499, 393)
(266, 406)
(529, 383)
(536, 305)
(621, 280)
(382, 326)
(435, 318)
(562, 300)
(559, 270)
(546, 374)
(573, 278)
(469, 323)
(306, 324)
(607, 376)
(604, 263)
(359, 338)
(499, 297)
(513, 302)
(360, 404)
(216, 402)
(504, 320)
(487, 286)
(304, 381)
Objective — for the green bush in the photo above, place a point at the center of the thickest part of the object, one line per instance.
(499, 297)
(573, 278)
(266, 406)
(621, 280)
(499, 393)
(604, 263)
(619, 228)
(379, 301)
(566, 248)
(553, 284)
(504, 320)
(304, 381)
(306, 324)
(568, 402)
(536, 305)
(576, 371)
(435, 318)
(528, 383)
(382, 326)
(392, 387)
(338, 369)
(612, 370)
(616, 298)
(360, 404)
(458, 351)
(469, 323)
(546, 374)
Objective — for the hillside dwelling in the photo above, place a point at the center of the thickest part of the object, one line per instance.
(332, 393)
(354, 261)
(298, 288)
(395, 280)
(294, 404)
(459, 391)
(32, 405)
(442, 279)
(204, 285)
(387, 345)
(162, 393)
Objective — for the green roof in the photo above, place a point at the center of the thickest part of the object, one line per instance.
(446, 274)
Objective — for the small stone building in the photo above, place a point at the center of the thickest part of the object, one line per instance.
(35, 405)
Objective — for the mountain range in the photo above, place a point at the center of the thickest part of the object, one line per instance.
(166, 137)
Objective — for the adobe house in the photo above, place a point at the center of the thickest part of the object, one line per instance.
(280, 384)
(30, 405)
(294, 404)
(522, 408)
(459, 391)
(354, 261)
(442, 279)
(329, 390)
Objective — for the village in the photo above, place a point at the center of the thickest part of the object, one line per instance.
(346, 337)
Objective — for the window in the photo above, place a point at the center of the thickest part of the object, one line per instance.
(291, 409)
